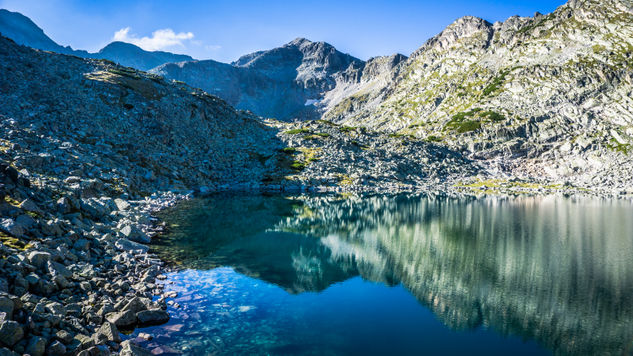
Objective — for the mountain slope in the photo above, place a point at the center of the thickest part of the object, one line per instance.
(25, 32)
(547, 96)
(285, 83)
(133, 56)
(153, 134)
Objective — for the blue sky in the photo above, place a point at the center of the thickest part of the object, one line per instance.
(224, 30)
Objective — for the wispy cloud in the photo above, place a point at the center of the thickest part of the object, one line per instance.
(160, 39)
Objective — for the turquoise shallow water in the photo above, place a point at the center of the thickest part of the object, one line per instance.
(404, 275)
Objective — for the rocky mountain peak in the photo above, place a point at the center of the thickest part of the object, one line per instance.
(462, 28)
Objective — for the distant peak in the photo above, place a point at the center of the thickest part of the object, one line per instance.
(299, 41)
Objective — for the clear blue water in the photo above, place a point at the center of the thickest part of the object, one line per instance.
(398, 275)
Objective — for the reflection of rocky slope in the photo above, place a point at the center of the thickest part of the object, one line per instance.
(23, 31)
(553, 270)
(545, 269)
(233, 231)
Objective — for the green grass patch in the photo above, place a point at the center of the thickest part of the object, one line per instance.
(297, 166)
(297, 131)
(433, 138)
(347, 128)
(616, 146)
(496, 83)
(289, 150)
(326, 122)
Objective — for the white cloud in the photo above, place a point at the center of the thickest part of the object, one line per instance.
(160, 39)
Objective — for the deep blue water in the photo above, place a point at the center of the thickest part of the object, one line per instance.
(398, 275)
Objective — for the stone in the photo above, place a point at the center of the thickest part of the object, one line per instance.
(36, 346)
(6, 352)
(6, 306)
(56, 348)
(133, 233)
(130, 246)
(135, 305)
(29, 205)
(64, 336)
(10, 333)
(10, 227)
(98, 350)
(124, 319)
(56, 309)
(152, 317)
(39, 259)
(121, 204)
(110, 331)
(130, 349)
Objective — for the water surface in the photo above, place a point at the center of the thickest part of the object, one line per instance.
(405, 275)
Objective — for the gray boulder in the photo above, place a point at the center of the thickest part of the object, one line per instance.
(36, 346)
(124, 319)
(10, 332)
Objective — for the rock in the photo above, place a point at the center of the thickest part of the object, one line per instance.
(133, 233)
(56, 348)
(39, 259)
(152, 317)
(124, 319)
(99, 350)
(130, 349)
(56, 309)
(6, 306)
(10, 227)
(36, 346)
(135, 305)
(29, 205)
(110, 331)
(6, 352)
(10, 332)
(145, 336)
(64, 336)
(121, 204)
(130, 246)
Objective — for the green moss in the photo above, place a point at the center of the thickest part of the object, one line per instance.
(472, 120)
(345, 180)
(492, 116)
(616, 146)
(289, 150)
(126, 72)
(400, 135)
(297, 165)
(13, 242)
(347, 128)
(326, 122)
(317, 135)
(496, 83)
(297, 131)
(433, 138)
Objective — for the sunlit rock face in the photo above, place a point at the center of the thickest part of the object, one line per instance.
(555, 270)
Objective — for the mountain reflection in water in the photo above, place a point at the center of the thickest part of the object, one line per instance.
(555, 270)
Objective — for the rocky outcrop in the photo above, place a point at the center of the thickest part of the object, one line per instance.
(546, 96)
